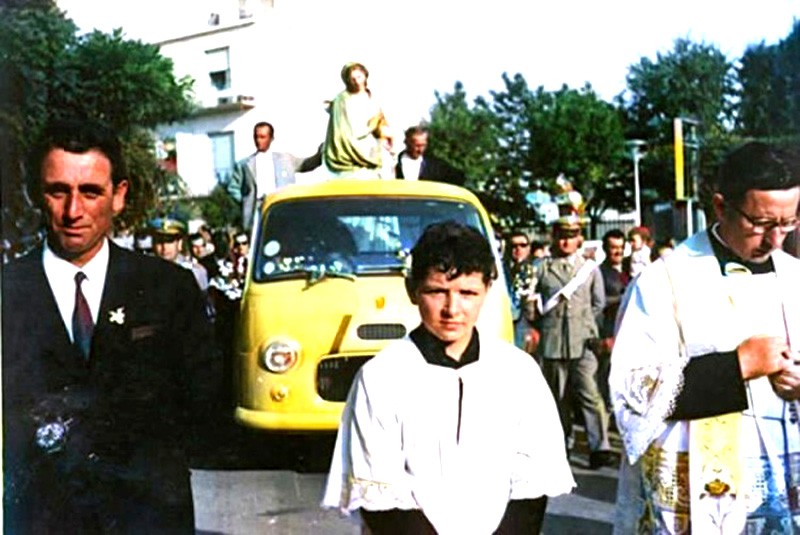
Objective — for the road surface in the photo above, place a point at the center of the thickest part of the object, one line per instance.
(272, 484)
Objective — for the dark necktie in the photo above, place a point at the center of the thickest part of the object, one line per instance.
(82, 325)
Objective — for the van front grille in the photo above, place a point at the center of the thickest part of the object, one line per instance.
(335, 375)
(381, 331)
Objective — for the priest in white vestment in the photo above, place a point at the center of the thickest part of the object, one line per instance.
(447, 431)
(704, 373)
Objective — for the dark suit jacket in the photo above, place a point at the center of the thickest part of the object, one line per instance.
(614, 283)
(433, 169)
(124, 466)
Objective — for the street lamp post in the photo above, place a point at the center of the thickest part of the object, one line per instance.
(634, 145)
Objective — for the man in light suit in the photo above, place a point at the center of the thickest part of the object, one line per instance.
(413, 164)
(570, 289)
(265, 171)
(105, 360)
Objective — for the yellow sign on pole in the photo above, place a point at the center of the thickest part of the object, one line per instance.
(677, 128)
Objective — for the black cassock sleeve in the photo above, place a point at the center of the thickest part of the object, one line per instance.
(712, 385)
(521, 516)
(397, 522)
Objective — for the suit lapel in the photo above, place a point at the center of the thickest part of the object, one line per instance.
(251, 174)
(111, 318)
(48, 330)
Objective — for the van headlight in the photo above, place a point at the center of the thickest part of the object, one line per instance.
(279, 356)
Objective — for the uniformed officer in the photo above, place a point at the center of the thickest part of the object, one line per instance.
(167, 234)
(571, 300)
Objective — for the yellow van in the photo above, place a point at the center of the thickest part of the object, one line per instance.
(325, 292)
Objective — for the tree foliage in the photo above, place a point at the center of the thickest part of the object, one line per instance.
(770, 88)
(577, 134)
(464, 135)
(219, 210)
(127, 84)
(693, 80)
(520, 140)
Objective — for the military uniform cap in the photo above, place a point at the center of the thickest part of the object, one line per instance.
(166, 226)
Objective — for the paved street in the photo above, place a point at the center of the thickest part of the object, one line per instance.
(272, 484)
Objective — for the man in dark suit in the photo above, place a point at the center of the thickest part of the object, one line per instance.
(104, 360)
(615, 279)
(265, 171)
(413, 164)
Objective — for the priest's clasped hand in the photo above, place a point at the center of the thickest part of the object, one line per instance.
(786, 384)
(763, 355)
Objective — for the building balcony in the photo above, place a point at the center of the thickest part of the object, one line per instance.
(226, 102)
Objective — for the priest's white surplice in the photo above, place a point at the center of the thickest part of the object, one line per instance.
(680, 308)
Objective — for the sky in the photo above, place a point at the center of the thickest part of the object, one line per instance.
(416, 47)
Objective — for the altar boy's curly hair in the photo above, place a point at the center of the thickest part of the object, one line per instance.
(453, 249)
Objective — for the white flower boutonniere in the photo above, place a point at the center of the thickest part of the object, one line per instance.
(117, 316)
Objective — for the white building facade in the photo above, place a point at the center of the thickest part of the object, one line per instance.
(277, 61)
(226, 47)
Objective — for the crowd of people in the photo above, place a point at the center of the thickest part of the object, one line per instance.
(109, 368)
(564, 309)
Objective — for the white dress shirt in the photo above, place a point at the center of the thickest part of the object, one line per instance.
(411, 167)
(61, 277)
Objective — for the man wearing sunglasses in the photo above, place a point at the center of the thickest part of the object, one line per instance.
(705, 379)
(521, 282)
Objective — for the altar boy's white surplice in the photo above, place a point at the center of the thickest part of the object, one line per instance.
(456, 443)
(680, 308)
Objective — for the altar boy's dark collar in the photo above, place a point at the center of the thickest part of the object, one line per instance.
(433, 349)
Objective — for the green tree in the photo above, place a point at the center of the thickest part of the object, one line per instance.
(770, 88)
(514, 175)
(125, 83)
(219, 210)
(467, 136)
(693, 80)
(579, 135)
(521, 140)
(32, 39)
(462, 134)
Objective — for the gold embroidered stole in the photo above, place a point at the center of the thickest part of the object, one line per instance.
(717, 503)
(715, 473)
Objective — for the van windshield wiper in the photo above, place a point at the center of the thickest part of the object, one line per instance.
(336, 270)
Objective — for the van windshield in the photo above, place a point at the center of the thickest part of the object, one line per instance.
(348, 236)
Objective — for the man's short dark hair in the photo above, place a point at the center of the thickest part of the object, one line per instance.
(756, 166)
(415, 130)
(76, 136)
(453, 249)
(613, 234)
(262, 124)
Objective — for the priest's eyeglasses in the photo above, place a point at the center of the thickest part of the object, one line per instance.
(763, 226)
